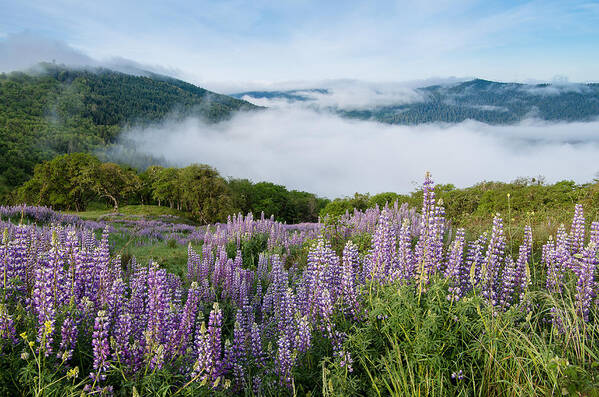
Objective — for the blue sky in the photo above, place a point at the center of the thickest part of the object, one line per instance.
(228, 42)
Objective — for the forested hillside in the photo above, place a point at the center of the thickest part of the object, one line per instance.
(485, 101)
(57, 110)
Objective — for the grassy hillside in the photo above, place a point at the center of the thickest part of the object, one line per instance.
(59, 110)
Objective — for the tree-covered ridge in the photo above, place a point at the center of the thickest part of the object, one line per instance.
(59, 110)
(73, 181)
(482, 100)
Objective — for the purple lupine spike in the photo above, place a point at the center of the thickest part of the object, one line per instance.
(348, 280)
(474, 261)
(101, 348)
(203, 365)
(15, 266)
(262, 270)
(185, 330)
(116, 300)
(192, 264)
(236, 357)
(43, 304)
(304, 334)
(325, 311)
(508, 276)
(138, 300)
(404, 253)
(561, 238)
(283, 361)
(428, 252)
(437, 233)
(490, 272)
(256, 345)
(554, 275)
(56, 260)
(384, 254)
(122, 332)
(322, 273)
(454, 266)
(75, 273)
(521, 275)
(157, 303)
(102, 264)
(214, 334)
(68, 332)
(575, 240)
(585, 286)
(278, 286)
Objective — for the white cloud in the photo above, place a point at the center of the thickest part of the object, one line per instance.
(331, 156)
(348, 94)
(24, 51)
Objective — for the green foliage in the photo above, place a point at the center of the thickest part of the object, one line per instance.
(388, 198)
(339, 207)
(250, 249)
(286, 206)
(412, 345)
(61, 183)
(72, 181)
(204, 193)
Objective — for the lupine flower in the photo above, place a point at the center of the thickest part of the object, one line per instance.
(157, 303)
(349, 279)
(405, 256)
(454, 266)
(203, 365)
(522, 272)
(184, 332)
(505, 295)
(43, 303)
(576, 236)
(214, 337)
(68, 332)
(491, 269)
(122, 333)
(100, 346)
(586, 281)
(283, 362)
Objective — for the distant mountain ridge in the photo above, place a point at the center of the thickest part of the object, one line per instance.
(55, 109)
(482, 100)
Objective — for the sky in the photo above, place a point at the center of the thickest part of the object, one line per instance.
(228, 44)
(366, 53)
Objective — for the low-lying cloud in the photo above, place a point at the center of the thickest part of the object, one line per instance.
(349, 94)
(323, 153)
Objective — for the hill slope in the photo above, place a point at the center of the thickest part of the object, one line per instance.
(481, 100)
(60, 110)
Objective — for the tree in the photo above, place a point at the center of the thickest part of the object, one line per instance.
(205, 193)
(270, 199)
(112, 181)
(242, 195)
(61, 183)
(166, 185)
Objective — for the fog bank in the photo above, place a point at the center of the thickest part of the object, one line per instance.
(325, 154)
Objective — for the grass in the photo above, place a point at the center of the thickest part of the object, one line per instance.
(168, 254)
(149, 212)
(410, 346)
